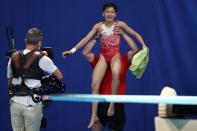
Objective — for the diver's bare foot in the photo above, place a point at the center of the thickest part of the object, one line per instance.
(93, 120)
(111, 110)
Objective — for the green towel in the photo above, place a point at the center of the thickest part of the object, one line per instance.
(139, 63)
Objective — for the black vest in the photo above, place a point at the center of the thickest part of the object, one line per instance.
(27, 67)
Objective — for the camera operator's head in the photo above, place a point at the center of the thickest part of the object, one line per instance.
(33, 39)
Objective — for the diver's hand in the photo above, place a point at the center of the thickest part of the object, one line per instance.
(66, 53)
(144, 46)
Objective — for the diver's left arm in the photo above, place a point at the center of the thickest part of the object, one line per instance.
(129, 30)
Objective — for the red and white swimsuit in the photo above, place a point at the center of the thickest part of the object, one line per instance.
(110, 42)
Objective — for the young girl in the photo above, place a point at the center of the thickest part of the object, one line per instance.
(109, 54)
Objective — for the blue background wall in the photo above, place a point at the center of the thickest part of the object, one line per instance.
(167, 26)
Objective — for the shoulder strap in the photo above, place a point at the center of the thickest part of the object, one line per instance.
(30, 60)
(15, 59)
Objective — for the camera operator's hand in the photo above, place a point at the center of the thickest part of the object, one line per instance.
(66, 53)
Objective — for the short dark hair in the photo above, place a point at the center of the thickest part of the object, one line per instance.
(33, 36)
(107, 5)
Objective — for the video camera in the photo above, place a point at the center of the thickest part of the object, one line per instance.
(51, 85)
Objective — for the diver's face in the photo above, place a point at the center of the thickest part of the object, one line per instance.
(109, 14)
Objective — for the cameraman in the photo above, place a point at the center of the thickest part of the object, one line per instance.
(24, 72)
